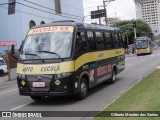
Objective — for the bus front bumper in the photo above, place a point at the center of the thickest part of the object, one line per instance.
(61, 87)
(41, 93)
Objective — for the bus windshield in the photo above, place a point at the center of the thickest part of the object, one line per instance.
(141, 44)
(48, 45)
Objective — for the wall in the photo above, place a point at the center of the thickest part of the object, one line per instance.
(15, 27)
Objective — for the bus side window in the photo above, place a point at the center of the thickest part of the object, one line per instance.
(81, 43)
(100, 40)
(108, 40)
(115, 40)
(120, 40)
(92, 45)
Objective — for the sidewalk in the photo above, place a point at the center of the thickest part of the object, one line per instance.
(5, 83)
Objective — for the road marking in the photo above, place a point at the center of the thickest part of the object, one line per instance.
(22, 105)
(129, 65)
(3, 87)
(158, 54)
(130, 59)
(8, 91)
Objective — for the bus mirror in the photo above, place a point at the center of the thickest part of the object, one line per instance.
(12, 49)
(21, 45)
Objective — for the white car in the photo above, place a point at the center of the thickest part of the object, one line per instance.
(3, 67)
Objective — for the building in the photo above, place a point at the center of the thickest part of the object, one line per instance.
(149, 11)
(111, 21)
(29, 13)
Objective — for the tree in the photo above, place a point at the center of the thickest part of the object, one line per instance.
(127, 30)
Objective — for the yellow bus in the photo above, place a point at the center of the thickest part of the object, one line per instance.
(143, 45)
(68, 58)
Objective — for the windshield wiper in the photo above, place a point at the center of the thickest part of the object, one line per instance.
(34, 55)
(51, 53)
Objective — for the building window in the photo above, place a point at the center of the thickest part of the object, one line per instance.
(31, 24)
(42, 22)
(57, 6)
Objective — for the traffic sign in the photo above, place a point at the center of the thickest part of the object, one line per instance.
(98, 14)
(8, 43)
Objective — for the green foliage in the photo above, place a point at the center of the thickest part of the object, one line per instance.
(127, 30)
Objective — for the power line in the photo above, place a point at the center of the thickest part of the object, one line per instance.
(46, 11)
(90, 7)
(29, 13)
(50, 8)
(69, 6)
(40, 16)
(4, 4)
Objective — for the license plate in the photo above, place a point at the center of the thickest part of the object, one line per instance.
(142, 50)
(38, 84)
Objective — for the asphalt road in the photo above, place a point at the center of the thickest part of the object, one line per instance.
(101, 96)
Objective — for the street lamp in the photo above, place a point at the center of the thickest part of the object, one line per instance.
(105, 5)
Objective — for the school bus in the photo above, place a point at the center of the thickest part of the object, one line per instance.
(68, 58)
(143, 45)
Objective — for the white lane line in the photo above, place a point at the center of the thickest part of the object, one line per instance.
(129, 65)
(3, 87)
(158, 54)
(22, 105)
(127, 60)
(8, 91)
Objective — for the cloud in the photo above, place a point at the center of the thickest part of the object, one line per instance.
(124, 9)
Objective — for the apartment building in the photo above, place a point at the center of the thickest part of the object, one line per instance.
(149, 11)
(112, 21)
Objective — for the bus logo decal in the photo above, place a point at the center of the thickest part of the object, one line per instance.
(38, 78)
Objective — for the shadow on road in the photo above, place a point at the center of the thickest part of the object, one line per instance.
(67, 100)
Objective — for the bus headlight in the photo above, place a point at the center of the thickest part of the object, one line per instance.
(21, 76)
(62, 75)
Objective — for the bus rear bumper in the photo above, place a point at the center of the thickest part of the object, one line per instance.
(138, 53)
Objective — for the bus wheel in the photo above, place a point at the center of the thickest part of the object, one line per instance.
(83, 89)
(36, 98)
(113, 78)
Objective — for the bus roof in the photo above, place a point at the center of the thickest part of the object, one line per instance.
(79, 25)
(143, 38)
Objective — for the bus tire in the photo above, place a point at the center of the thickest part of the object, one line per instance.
(113, 77)
(83, 89)
(36, 98)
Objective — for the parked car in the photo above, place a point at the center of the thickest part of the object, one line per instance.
(3, 67)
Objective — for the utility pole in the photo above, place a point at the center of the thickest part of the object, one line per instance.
(99, 18)
(134, 26)
(135, 33)
(105, 5)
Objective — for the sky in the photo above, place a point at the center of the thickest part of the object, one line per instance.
(124, 9)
